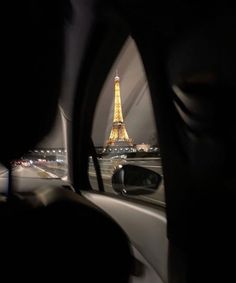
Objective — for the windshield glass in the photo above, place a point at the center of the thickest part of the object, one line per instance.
(48, 160)
(41, 163)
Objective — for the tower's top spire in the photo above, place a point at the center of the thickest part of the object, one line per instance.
(117, 78)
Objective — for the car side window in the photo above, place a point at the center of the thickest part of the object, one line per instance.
(124, 130)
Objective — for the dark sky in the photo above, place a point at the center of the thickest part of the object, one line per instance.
(136, 101)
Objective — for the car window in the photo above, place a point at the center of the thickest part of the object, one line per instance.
(124, 130)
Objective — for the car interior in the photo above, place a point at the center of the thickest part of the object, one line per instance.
(57, 56)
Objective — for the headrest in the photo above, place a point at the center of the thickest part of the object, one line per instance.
(208, 50)
(31, 64)
(202, 70)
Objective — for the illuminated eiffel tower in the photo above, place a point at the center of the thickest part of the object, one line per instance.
(118, 136)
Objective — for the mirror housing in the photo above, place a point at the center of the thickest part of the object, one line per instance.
(135, 180)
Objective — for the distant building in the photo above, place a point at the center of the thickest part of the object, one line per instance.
(143, 147)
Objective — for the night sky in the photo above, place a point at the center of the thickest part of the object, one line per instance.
(136, 103)
(135, 97)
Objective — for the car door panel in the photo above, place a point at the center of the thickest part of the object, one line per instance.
(146, 229)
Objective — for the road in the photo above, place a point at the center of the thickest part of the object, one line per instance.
(27, 172)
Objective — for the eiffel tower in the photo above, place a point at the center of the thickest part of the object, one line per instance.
(118, 136)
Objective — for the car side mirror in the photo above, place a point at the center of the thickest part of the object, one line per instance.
(135, 180)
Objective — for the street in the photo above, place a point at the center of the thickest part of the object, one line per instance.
(28, 172)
